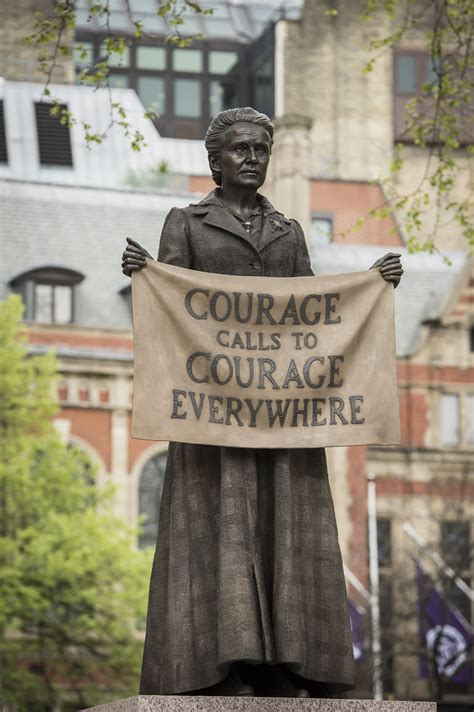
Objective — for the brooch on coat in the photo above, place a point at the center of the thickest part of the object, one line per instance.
(276, 224)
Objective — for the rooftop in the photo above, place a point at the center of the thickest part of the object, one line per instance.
(421, 296)
(110, 164)
(82, 229)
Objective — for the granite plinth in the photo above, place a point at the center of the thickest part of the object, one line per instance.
(152, 703)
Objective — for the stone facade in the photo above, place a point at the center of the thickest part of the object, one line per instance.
(324, 56)
(288, 184)
(19, 61)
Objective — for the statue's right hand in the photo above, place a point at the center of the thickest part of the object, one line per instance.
(133, 257)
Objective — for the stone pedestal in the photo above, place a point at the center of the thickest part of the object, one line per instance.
(153, 703)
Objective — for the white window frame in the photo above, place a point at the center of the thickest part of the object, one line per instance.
(463, 399)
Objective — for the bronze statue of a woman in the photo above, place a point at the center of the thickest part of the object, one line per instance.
(247, 591)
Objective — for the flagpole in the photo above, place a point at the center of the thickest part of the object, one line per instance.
(434, 556)
(377, 681)
(358, 585)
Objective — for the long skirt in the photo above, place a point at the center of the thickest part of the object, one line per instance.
(247, 568)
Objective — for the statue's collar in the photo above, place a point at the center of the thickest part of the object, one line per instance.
(213, 198)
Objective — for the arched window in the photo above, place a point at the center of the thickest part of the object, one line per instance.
(150, 489)
(85, 464)
(85, 470)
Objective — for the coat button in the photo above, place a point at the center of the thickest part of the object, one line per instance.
(256, 265)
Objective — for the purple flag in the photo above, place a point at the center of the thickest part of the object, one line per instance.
(357, 616)
(445, 635)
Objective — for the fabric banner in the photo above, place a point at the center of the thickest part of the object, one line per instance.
(357, 616)
(446, 637)
(264, 362)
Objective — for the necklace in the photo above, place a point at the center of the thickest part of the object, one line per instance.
(247, 224)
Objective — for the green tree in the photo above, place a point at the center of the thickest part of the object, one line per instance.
(72, 582)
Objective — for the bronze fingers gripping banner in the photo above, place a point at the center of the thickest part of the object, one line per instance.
(264, 362)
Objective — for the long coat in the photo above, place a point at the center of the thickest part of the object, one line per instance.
(247, 565)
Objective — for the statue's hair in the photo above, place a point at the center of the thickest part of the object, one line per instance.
(215, 134)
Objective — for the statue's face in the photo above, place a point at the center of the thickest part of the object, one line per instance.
(243, 160)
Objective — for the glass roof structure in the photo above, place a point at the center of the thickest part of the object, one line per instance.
(239, 20)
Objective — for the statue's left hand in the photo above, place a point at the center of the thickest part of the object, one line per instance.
(390, 267)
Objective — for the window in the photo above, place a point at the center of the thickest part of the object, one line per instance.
(114, 59)
(151, 91)
(450, 417)
(320, 233)
(384, 543)
(3, 137)
(185, 86)
(405, 74)
(119, 81)
(457, 419)
(187, 98)
(221, 95)
(52, 303)
(222, 62)
(321, 230)
(469, 419)
(83, 54)
(222, 91)
(54, 141)
(457, 553)
(432, 71)
(455, 545)
(126, 293)
(263, 89)
(415, 75)
(187, 60)
(48, 294)
(413, 70)
(150, 490)
(84, 469)
(151, 58)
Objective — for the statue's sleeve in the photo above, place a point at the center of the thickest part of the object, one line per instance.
(302, 265)
(174, 241)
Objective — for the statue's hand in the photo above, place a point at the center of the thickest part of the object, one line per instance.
(133, 257)
(390, 267)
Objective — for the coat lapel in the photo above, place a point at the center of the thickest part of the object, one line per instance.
(275, 224)
(224, 220)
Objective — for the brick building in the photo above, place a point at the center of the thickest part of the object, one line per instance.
(67, 208)
(332, 147)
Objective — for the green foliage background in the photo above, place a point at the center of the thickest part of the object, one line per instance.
(73, 584)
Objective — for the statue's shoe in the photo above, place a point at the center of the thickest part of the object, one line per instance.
(302, 693)
(244, 691)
